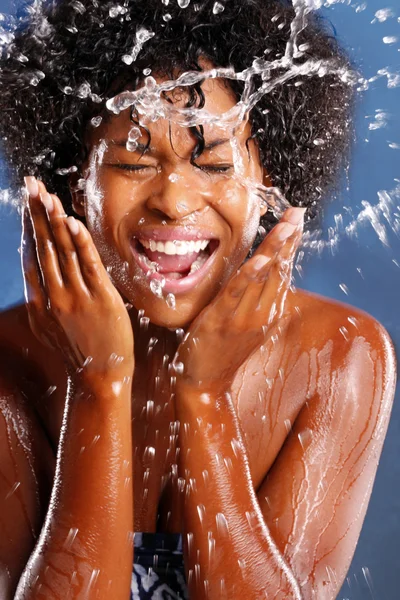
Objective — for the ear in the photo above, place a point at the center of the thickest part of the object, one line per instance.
(77, 194)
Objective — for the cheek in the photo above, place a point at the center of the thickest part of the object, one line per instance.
(240, 207)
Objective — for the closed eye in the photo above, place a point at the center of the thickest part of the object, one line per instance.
(215, 168)
(129, 167)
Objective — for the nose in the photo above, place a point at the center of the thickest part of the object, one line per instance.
(174, 196)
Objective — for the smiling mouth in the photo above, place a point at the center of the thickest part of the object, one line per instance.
(179, 272)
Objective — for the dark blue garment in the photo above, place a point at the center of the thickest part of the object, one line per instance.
(158, 569)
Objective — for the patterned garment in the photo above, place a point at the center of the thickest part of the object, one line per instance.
(158, 569)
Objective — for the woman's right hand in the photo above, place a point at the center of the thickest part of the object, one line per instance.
(71, 301)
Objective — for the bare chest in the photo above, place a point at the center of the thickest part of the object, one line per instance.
(267, 395)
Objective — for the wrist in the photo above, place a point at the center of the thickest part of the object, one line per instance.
(113, 381)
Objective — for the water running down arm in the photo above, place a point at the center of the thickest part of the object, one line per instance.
(86, 546)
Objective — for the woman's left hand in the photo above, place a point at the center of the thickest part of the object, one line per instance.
(244, 313)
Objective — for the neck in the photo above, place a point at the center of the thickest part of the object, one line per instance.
(161, 339)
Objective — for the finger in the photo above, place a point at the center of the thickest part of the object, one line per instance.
(263, 294)
(243, 288)
(44, 241)
(246, 285)
(277, 283)
(292, 219)
(92, 268)
(33, 285)
(291, 222)
(66, 251)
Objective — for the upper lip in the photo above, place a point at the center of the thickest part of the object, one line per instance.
(174, 233)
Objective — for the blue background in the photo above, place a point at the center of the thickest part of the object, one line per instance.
(362, 263)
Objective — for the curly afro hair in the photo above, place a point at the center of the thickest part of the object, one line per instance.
(66, 58)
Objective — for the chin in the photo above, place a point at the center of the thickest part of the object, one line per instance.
(161, 315)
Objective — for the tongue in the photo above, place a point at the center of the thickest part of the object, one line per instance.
(168, 263)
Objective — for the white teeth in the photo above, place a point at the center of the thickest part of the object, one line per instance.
(198, 263)
(172, 247)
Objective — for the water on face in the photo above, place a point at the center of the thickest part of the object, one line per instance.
(380, 211)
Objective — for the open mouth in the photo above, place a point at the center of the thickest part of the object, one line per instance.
(180, 264)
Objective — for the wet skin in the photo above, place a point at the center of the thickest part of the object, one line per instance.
(283, 402)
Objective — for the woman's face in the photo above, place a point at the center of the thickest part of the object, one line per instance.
(158, 207)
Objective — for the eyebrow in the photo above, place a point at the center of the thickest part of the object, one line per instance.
(143, 149)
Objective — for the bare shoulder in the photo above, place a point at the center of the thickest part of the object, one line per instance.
(323, 321)
(15, 331)
(347, 349)
(27, 460)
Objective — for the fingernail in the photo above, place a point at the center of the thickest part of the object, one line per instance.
(72, 225)
(286, 230)
(32, 186)
(47, 201)
(295, 216)
(260, 262)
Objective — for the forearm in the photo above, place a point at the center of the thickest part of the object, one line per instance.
(85, 548)
(230, 546)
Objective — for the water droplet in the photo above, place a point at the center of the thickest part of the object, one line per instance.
(183, 3)
(344, 288)
(83, 90)
(288, 425)
(69, 540)
(50, 391)
(117, 10)
(116, 386)
(180, 334)
(305, 438)
(205, 476)
(96, 121)
(115, 360)
(167, 17)
(383, 14)
(13, 490)
(144, 322)
(222, 524)
(179, 367)
(67, 171)
(87, 361)
(361, 7)
(353, 321)
(93, 578)
(133, 137)
(152, 342)
(171, 301)
(390, 39)
(149, 409)
(156, 287)
(218, 8)
(201, 511)
(344, 333)
(149, 454)
(261, 232)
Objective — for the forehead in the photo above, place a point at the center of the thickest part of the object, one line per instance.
(219, 98)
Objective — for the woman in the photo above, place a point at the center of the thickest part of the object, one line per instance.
(163, 376)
